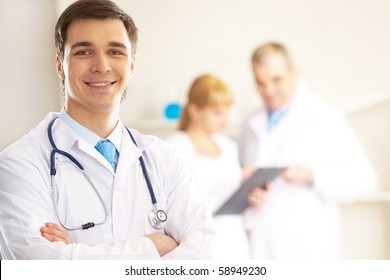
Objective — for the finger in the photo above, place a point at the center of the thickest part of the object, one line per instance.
(53, 238)
(255, 191)
(55, 234)
(268, 184)
(50, 230)
(256, 200)
(259, 192)
(289, 175)
(58, 229)
(255, 204)
(48, 236)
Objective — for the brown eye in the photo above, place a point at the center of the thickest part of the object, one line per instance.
(83, 52)
(115, 52)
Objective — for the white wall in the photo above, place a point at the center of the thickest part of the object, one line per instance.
(28, 87)
(340, 47)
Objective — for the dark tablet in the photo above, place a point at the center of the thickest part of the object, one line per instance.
(237, 203)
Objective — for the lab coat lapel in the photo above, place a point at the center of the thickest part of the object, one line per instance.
(128, 155)
(276, 149)
(67, 140)
(85, 147)
(258, 124)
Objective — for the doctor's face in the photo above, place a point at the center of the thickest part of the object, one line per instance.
(275, 79)
(97, 65)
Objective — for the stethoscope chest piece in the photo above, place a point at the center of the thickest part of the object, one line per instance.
(157, 219)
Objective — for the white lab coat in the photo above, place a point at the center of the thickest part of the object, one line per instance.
(26, 204)
(302, 222)
(217, 179)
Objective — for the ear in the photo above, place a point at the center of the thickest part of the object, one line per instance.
(293, 71)
(193, 111)
(132, 66)
(59, 67)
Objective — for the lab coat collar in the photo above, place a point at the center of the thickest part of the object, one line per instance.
(298, 105)
(301, 101)
(115, 136)
(130, 152)
(66, 139)
(133, 151)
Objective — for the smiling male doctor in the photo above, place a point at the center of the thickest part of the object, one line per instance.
(96, 43)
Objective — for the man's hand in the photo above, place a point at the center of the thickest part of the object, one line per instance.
(164, 243)
(55, 233)
(257, 197)
(247, 172)
(298, 174)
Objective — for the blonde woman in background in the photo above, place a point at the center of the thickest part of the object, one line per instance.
(213, 158)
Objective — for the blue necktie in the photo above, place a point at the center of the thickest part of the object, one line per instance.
(274, 118)
(108, 150)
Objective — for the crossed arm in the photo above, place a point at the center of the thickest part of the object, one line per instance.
(56, 233)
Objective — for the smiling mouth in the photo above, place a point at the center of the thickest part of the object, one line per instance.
(105, 84)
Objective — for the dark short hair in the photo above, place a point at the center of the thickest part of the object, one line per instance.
(93, 9)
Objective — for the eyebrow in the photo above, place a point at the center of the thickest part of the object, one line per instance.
(117, 44)
(81, 44)
(89, 44)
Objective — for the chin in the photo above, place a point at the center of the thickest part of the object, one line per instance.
(274, 107)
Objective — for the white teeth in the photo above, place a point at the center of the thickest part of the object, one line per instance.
(99, 84)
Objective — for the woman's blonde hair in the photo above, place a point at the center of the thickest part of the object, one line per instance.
(206, 91)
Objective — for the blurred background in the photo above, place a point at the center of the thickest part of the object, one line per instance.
(341, 49)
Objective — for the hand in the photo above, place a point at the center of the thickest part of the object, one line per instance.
(55, 233)
(247, 172)
(257, 197)
(163, 243)
(299, 175)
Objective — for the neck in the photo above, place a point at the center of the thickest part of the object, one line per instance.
(203, 142)
(197, 133)
(100, 123)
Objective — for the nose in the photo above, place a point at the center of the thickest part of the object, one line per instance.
(100, 64)
(268, 90)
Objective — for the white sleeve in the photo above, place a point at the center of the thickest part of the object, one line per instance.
(245, 149)
(343, 172)
(190, 221)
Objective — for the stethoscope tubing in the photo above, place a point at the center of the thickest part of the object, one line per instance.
(145, 172)
(79, 165)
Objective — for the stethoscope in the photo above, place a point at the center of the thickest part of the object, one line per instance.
(156, 217)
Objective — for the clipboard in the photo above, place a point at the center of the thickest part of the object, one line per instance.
(237, 203)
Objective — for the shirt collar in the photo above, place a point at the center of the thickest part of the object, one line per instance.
(115, 137)
(278, 113)
(274, 117)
